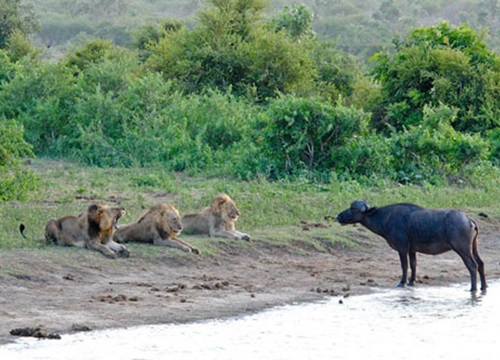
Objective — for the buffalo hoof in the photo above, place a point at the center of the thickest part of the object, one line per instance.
(400, 285)
(410, 283)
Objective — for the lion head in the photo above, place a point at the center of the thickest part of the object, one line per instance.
(166, 218)
(103, 220)
(224, 206)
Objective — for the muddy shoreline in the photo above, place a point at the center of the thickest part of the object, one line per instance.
(63, 290)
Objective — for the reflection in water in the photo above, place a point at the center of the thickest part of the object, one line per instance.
(415, 323)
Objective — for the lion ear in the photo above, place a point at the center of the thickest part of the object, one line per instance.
(93, 208)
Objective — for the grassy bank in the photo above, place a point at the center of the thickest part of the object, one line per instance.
(271, 212)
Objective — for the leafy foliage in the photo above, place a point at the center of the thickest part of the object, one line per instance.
(232, 48)
(303, 134)
(15, 182)
(434, 149)
(18, 46)
(16, 18)
(238, 95)
(296, 20)
(440, 64)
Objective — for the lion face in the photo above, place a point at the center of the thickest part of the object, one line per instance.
(103, 219)
(174, 220)
(225, 206)
(165, 217)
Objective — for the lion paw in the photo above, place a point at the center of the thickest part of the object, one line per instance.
(124, 253)
(111, 255)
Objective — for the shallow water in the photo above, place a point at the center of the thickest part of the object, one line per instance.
(415, 323)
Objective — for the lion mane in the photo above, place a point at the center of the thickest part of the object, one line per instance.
(161, 225)
(217, 220)
(93, 229)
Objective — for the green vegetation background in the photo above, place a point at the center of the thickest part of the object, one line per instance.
(316, 102)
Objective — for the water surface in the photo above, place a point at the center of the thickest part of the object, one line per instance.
(417, 323)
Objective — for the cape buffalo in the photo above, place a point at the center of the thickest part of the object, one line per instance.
(409, 229)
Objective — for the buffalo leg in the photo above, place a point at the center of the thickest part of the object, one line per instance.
(403, 257)
(480, 267)
(413, 267)
(471, 265)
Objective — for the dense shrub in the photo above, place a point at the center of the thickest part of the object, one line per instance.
(303, 134)
(16, 17)
(364, 156)
(15, 181)
(232, 47)
(431, 151)
(439, 64)
(249, 100)
(435, 150)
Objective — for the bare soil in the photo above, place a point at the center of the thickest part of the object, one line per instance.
(63, 290)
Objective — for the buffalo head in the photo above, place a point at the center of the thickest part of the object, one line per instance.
(354, 214)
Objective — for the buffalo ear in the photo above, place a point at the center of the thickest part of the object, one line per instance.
(360, 205)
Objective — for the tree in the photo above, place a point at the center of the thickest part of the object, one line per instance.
(296, 20)
(439, 65)
(231, 48)
(15, 17)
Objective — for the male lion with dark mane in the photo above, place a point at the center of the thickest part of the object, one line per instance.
(217, 220)
(160, 226)
(94, 229)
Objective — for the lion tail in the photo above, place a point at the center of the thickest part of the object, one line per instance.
(21, 229)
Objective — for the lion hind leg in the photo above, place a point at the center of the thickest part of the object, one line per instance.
(52, 232)
(59, 238)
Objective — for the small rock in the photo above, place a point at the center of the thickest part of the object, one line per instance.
(80, 327)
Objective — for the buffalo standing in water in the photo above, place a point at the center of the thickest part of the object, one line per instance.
(409, 229)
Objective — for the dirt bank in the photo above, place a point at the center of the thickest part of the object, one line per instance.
(68, 289)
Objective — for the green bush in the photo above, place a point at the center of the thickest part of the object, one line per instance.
(15, 182)
(494, 137)
(42, 97)
(439, 65)
(302, 134)
(7, 67)
(365, 155)
(435, 150)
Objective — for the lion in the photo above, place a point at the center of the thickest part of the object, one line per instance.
(217, 220)
(93, 229)
(160, 226)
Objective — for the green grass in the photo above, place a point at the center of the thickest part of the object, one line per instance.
(271, 211)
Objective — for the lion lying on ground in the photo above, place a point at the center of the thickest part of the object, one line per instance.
(160, 226)
(217, 220)
(92, 229)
